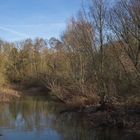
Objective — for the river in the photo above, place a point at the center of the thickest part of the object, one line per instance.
(39, 118)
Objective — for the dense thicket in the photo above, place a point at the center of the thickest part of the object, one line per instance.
(97, 58)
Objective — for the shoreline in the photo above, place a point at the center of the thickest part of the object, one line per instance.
(126, 118)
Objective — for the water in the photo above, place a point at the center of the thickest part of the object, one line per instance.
(36, 118)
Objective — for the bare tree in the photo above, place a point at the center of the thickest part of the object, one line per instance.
(98, 11)
(125, 23)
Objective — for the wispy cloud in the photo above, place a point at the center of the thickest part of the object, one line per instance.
(13, 32)
(23, 25)
(33, 25)
(6, 29)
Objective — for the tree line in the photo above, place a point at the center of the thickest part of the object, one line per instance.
(97, 57)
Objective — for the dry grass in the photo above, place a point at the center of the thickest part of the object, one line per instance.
(80, 101)
(74, 97)
(133, 101)
(8, 93)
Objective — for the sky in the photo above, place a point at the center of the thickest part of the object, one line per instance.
(21, 19)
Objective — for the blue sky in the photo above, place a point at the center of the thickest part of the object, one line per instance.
(20, 19)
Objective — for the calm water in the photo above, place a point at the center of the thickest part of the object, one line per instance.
(39, 119)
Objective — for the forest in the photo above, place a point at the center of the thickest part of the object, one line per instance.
(96, 60)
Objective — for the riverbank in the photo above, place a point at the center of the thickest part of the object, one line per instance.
(119, 116)
(9, 93)
(122, 118)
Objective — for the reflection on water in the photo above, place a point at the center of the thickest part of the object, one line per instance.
(39, 119)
